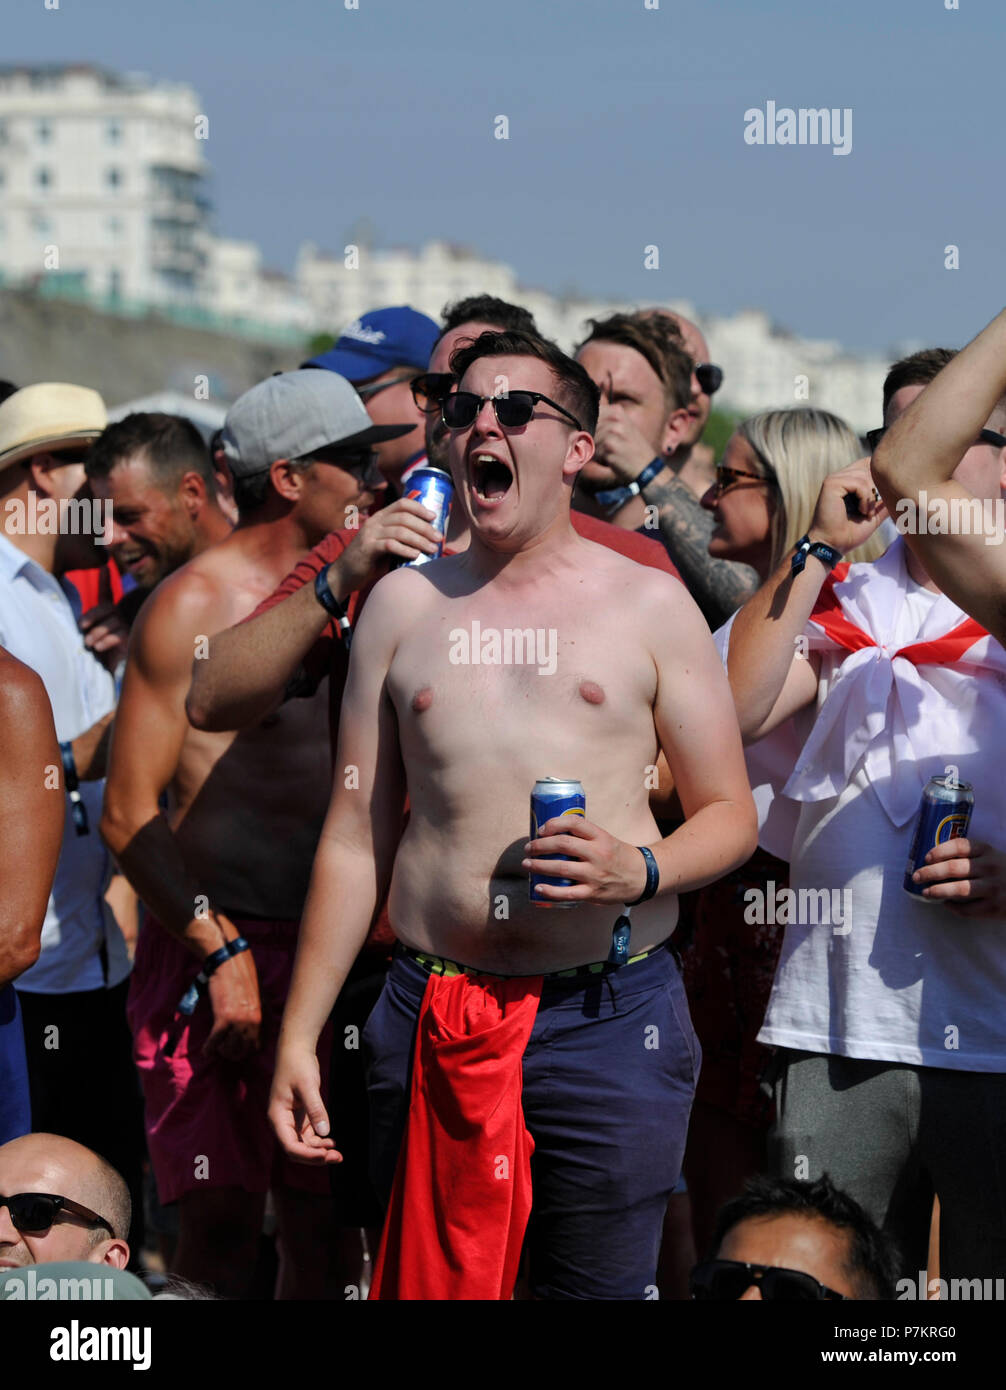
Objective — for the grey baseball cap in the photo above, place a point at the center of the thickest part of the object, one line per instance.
(297, 413)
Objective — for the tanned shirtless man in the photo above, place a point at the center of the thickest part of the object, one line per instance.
(635, 670)
(228, 863)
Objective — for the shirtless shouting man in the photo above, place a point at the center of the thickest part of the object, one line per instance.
(635, 670)
(229, 861)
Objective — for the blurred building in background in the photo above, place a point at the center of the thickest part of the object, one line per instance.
(103, 199)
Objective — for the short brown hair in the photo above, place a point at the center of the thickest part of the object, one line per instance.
(659, 340)
(918, 369)
(574, 387)
(171, 445)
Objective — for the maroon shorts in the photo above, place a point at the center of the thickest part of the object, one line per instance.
(206, 1118)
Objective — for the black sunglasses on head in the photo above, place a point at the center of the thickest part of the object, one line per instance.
(33, 1213)
(710, 378)
(430, 389)
(873, 438)
(512, 411)
(724, 1281)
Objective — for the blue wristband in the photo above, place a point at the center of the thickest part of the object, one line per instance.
(77, 808)
(652, 877)
(618, 496)
(211, 964)
(331, 604)
(827, 554)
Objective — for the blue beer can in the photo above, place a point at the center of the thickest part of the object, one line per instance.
(945, 814)
(433, 488)
(551, 797)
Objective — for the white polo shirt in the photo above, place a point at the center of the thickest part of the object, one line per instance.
(38, 625)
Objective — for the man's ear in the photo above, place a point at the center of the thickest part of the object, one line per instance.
(580, 451)
(111, 1252)
(40, 466)
(675, 429)
(286, 480)
(193, 492)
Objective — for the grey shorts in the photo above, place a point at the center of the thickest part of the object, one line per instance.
(892, 1135)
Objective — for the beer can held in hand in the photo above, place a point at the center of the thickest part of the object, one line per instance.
(945, 814)
(431, 487)
(551, 797)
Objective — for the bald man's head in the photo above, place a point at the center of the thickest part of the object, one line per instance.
(697, 348)
(48, 1163)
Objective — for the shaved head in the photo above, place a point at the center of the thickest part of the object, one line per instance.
(697, 348)
(58, 1166)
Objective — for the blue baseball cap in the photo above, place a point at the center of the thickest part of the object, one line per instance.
(380, 340)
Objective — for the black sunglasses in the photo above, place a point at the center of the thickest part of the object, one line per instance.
(430, 389)
(873, 438)
(33, 1213)
(725, 1280)
(710, 378)
(461, 409)
(365, 392)
(362, 463)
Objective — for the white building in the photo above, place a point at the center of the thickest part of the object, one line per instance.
(236, 286)
(101, 183)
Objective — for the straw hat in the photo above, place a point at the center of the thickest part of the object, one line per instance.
(50, 415)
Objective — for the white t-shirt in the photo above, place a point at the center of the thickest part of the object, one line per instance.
(898, 979)
(38, 625)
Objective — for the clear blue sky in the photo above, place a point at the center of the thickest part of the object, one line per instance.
(626, 129)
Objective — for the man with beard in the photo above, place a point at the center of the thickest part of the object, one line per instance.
(156, 472)
(644, 375)
(224, 870)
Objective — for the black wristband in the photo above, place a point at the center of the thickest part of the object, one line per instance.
(330, 603)
(652, 877)
(620, 495)
(827, 554)
(77, 808)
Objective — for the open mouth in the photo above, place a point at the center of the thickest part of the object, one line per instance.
(491, 477)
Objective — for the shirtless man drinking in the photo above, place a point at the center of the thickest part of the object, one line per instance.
(635, 671)
(229, 861)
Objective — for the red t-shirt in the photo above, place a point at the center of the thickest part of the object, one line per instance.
(328, 655)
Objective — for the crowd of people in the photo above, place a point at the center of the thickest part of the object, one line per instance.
(279, 1016)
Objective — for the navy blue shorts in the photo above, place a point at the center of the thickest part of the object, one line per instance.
(609, 1076)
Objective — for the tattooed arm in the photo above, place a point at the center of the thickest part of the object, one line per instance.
(719, 587)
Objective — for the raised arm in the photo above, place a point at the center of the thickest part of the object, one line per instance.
(771, 678)
(352, 871)
(249, 666)
(919, 454)
(32, 809)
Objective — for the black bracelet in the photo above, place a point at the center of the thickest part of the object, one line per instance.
(77, 808)
(331, 604)
(827, 554)
(652, 877)
(211, 964)
(621, 495)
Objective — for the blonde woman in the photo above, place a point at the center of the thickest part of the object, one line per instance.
(763, 501)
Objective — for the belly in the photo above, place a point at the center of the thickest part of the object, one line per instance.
(248, 812)
(442, 904)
